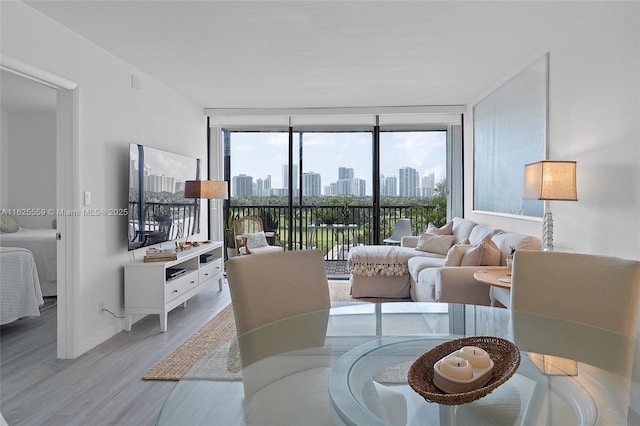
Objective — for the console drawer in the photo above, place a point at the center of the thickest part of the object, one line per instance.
(179, 286)
(210, 270)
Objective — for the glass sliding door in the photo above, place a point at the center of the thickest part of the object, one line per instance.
(413, 175)
(334, 187)
(336, 182)
(257, 169)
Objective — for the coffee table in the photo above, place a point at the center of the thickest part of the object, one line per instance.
(499, 280)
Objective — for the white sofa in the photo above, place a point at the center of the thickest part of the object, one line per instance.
(391, 271)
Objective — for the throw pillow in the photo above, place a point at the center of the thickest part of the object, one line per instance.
(485, 253)
(8, 224)
(472, 256)
(455, 254)
(444, 230)
(491, 255)
(435, 243)
(256, 240)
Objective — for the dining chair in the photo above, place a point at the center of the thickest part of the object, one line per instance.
(601, 291)
(401, 229)
(598, 296)
(281, 306)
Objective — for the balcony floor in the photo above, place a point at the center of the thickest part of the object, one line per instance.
(337, 269)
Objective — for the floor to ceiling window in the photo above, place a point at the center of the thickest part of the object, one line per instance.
(336, 198)
(332, 188)
(413, 175)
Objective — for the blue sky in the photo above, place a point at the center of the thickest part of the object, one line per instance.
(261, 154)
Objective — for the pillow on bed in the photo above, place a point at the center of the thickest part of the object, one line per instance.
(8, 224)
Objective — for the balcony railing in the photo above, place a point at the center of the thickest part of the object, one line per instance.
(332, 229)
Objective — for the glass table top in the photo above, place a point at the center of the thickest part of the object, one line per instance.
(355, 358)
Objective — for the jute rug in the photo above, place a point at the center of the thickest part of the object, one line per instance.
(212, 352)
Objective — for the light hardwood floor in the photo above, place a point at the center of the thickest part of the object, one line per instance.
(103, 386)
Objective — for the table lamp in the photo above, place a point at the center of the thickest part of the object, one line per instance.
(550, 180)
(207, 189)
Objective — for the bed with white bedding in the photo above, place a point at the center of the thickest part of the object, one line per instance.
(20, 294)
(42, 245)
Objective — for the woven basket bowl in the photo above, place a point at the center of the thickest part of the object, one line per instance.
(505, 356)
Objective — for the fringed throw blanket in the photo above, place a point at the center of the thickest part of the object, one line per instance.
(380, 260)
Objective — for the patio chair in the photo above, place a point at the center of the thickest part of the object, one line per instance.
(250, 237)
(402, 229)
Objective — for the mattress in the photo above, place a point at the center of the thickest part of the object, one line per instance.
(42, 245)
(20, 294)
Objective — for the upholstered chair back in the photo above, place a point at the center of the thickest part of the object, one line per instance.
(596, 290)
(274, 286)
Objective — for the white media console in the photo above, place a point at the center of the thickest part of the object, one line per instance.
(149, 287)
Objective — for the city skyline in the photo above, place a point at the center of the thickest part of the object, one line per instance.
(348, 185)
(262, 154)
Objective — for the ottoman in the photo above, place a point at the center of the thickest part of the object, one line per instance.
(380, 271)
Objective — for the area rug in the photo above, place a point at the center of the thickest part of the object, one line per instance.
(212, 352)
(49, 303)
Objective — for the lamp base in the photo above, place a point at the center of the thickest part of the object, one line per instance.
(547, 231)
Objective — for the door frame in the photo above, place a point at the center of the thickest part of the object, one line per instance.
(67, 126)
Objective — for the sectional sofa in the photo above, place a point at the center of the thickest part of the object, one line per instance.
(436, 266)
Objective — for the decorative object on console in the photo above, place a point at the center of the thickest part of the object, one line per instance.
(160, 255)
(550, 180)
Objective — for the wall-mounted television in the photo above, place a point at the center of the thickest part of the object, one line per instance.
(158, 211)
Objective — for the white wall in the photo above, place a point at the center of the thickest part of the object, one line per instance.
(31, 172)
(111, 115)
(4, 158)
(594, 118)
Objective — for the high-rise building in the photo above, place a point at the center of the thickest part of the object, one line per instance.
(345, 173)
(242, 186)
(359, 187)
(409, 181)
(311, 184)
(427, 184)
(344, 187)
(262, 187)
(331, 190)
(388, 186)
(159, 183)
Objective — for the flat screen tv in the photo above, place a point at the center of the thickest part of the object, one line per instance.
(158, 211)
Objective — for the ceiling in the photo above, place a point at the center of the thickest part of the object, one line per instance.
(296, 54)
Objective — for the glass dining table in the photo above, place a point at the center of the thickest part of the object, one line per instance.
(349, 365)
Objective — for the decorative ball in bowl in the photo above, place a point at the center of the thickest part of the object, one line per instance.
(504, 355)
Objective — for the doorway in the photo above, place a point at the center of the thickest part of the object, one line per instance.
(61, 97)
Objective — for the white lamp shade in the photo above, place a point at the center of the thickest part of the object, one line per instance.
(210, 189)
(550, 180)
